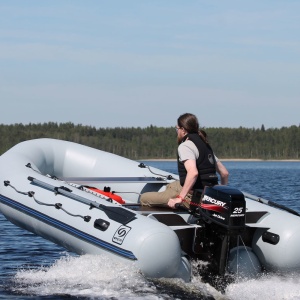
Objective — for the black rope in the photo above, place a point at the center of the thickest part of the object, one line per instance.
(56, 205)
(169, 177)
(7, 183)
(30, 167)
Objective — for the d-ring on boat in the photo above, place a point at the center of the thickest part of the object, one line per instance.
(64, 192)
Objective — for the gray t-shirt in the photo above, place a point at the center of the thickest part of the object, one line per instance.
(188, 150)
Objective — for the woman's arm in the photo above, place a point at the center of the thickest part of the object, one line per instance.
(224, 174)
(191, 177)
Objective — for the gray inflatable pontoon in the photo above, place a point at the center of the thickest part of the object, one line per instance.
(62, 191)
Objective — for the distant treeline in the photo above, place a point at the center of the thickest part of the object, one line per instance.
(161, 143)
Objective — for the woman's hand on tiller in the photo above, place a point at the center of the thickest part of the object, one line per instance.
(174, 201)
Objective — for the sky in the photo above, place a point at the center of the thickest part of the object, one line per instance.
(138, 63)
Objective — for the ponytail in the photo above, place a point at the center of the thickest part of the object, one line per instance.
(203, 136)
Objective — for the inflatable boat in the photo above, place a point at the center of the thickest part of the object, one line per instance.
(87, 201)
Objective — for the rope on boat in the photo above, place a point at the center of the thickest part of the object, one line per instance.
(30, 166)
(56, 205)
(168, 177)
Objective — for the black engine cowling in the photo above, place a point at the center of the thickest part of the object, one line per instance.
(221, 212)
(222, 205)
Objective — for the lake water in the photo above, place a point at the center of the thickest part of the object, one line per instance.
(33, 268)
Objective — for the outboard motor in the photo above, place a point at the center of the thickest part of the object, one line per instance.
(221, 212)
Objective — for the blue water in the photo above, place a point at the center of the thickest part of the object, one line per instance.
(33, 268)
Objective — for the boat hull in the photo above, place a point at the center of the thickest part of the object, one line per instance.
(151, 245)
(37, 195)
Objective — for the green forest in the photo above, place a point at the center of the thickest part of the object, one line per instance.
(161, 142)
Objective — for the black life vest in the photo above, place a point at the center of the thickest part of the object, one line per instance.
(206, 164)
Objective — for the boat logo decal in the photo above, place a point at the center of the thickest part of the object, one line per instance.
(210, 203)
(120, 234)
(214, 201)
(218, 216)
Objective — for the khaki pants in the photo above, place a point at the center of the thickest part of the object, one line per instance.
(162, 198)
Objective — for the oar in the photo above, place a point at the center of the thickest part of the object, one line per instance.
(83, 180)
(117, 214)
(271, 203)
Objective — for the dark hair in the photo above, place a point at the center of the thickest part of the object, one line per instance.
(203, 135)
(190, 123)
